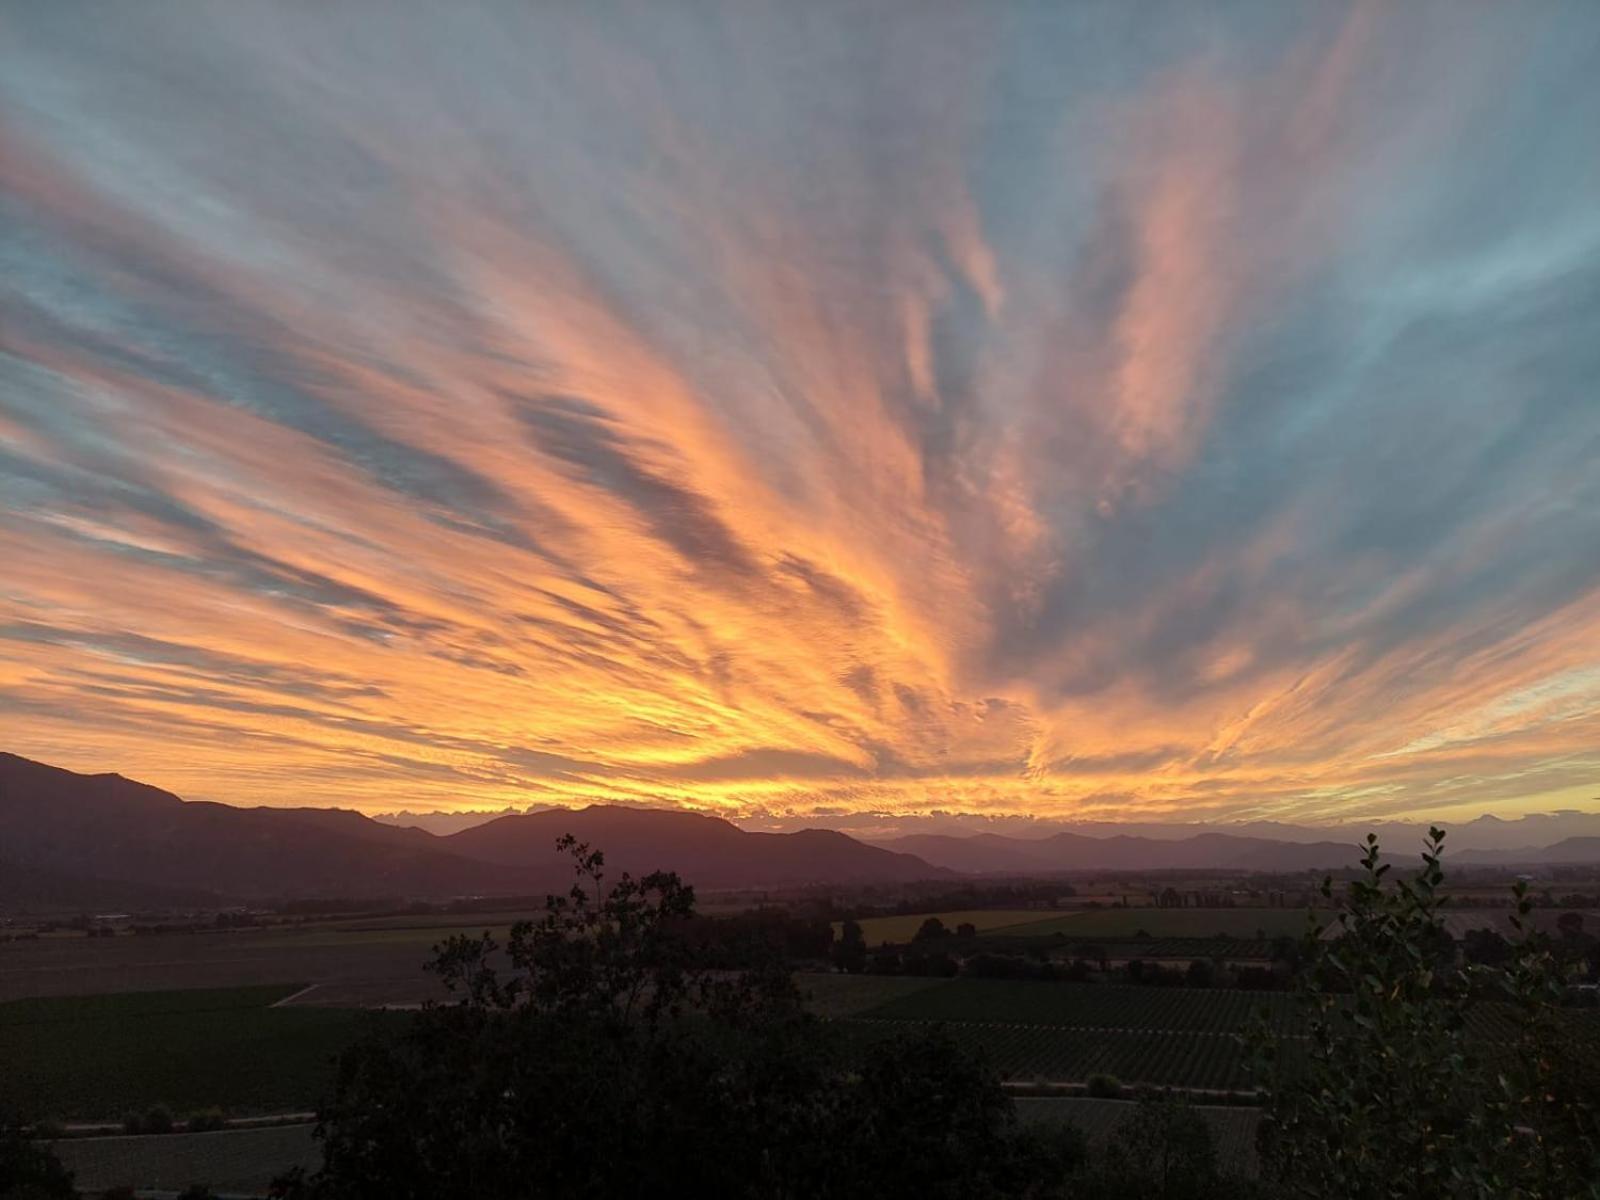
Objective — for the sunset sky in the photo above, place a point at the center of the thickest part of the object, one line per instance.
(806, 409)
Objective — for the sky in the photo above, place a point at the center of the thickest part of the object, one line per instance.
(1060, 411)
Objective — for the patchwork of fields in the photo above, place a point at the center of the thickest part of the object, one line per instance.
(1248, 923)
(94, 1027)
(903, 927)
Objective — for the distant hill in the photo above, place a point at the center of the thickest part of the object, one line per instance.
(707, 851)
(69, 839)
(93, 840)
(105, 827)
(24, 887)
(994, 854)
(1578, 850)
(1534, 830)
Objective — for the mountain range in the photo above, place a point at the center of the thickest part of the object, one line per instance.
(995, 854)
(1521, 834)
(69, 839)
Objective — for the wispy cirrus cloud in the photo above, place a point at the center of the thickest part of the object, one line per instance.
(974, 408)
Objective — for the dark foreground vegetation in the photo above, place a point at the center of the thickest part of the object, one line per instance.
(621, 1046)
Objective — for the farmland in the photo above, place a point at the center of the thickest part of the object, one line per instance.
(847, 995)
(1263, 923)
(1088, 1006)
(1175, 1037)
(232, 1160)
(312, 954)
(1064, 1032)
(902, 928)
(97, 1057)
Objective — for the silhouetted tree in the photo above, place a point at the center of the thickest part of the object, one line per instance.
(850, 952)
(1393, 1094)
(1164, 1149)
(29, 1171)
(930, 929)
(593, 1056)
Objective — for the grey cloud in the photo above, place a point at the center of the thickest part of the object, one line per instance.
(602, 455)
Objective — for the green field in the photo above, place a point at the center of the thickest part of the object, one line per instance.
(848, 995)
(169, 962)
(1090, 1006)
(878, 930)
(1162, 922)
(1058, 1032)
(88, 1058)
(1098, 922)
(233, 1160)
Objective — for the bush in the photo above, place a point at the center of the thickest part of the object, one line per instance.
(937, 964)
(1105, 1087)
(157, 1119)
(570, 1066)
(1392, 1093)
(1166, 1148)
(207, 1120)
(29, 1170)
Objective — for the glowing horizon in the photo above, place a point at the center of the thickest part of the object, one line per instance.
(974, 408)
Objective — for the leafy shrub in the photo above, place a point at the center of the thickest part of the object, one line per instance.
(1394, 1093)
(28, 1170)
(157, 1119)
(1104, 1087)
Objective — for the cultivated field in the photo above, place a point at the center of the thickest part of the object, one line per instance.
(1247, 923)
(95, 1058)
(847, 995)
(324, 954)
(1059, 1032)
(1089, 1006)
(236, 1161)
(1263, 923)
(1459, 922)
(878, 930)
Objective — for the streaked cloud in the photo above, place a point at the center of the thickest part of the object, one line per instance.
(785, 409)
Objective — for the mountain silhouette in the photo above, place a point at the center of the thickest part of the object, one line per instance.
(93, 840)
(707, 851)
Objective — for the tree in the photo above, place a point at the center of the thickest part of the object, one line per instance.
(850, 951)
(966, 931)
(930, 929)
(1391, 1094)
(29, 1171)
(1164, 1149)
(593, 1056)
(1486, 947)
